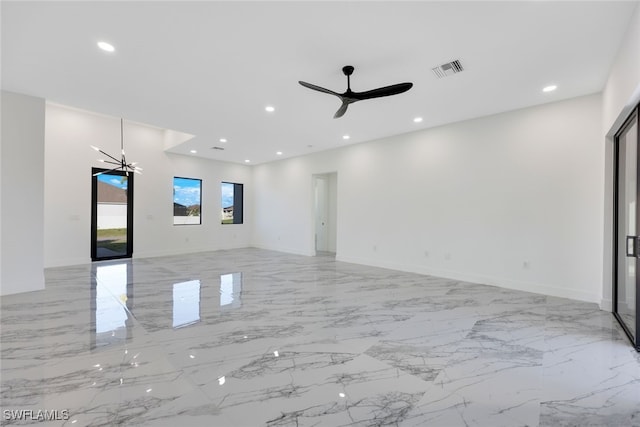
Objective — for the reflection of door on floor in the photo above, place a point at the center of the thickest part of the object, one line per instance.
(325, 210)
(111, 215)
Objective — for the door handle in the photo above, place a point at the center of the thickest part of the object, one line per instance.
(632, 243)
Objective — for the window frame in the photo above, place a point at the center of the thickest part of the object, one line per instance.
(174, 202)
(238, 214)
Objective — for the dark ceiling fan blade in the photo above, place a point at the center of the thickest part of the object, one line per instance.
(349, 96)
(318, 88)
(382, 91)
(342, 109)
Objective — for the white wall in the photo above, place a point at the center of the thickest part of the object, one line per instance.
(69, 133)
(112, 215)
(513, 199)
(22, 193)
(620, 95)
(624, 77)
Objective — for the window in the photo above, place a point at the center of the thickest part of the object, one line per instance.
(187, 198)
(231, 203)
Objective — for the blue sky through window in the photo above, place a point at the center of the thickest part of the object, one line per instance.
(227, 194)
(186, 191)
(115, 180)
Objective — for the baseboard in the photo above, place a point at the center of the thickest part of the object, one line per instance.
(293, 251)
(68, 262)
(185, 251)
(4, 293)
(606, 304)
(538, 288)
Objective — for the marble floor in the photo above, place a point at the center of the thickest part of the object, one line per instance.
(258, 338)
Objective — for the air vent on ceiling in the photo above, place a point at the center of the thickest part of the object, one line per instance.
(217, 148)
(448, 69)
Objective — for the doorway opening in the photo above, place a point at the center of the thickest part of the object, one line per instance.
(325, 199)
(111, 215)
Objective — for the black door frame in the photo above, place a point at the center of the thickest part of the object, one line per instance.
(633, 117)
(94, 214)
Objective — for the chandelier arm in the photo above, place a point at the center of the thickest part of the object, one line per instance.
(109, 155)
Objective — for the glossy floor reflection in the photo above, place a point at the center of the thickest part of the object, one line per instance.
(258, 338)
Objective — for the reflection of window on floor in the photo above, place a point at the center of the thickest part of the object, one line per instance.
(230, 290)
(186, 303)
(111, 299)
(232, 200)
(187, 199)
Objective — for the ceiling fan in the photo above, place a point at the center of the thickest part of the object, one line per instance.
(349, 96)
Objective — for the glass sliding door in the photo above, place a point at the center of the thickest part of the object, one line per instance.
(111, 215)
(626, 284)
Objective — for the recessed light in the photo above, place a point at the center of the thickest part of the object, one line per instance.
(194, 151)
(417, 120)
(107, 47)
(223, 140)
(550, 88)
(345, 137)
(247, 161)
(279, 153)
(269, 109)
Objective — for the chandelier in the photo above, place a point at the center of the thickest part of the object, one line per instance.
(121, 163)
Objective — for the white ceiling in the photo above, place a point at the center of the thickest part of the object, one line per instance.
(210, 68)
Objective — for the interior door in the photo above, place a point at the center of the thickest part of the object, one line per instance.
(626, 298)
(111, 215)
(321, 214)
